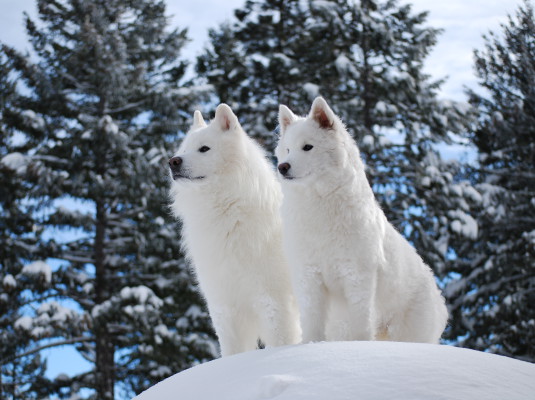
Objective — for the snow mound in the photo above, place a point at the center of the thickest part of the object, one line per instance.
(353, 370)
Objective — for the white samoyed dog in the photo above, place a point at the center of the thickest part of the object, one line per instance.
(355, 277)
(227, 195)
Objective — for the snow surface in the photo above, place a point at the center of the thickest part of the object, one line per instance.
(353, 370)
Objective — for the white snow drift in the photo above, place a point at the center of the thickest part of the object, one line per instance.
(353, 370)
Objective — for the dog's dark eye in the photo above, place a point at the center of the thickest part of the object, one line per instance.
(204, 149)
(307, 147)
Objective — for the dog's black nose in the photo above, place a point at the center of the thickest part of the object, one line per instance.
(175, 163)
(284, 168)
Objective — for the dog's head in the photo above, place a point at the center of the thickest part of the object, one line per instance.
(310, 147)
(207, 151)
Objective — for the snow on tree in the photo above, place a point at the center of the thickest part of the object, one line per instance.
(97, 117)
(493, 287)
(366, 58)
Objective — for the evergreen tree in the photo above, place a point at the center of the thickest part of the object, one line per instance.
(249, 61)
(19, 378)
(493, 294)
(97, 118)
(366, 58)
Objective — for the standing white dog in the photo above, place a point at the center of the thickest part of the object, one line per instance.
(228, 198)
(355, 276)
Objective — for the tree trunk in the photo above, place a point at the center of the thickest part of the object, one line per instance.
(105, 366)
(104, 347)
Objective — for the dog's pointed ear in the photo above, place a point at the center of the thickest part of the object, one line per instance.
(286, 117)
(198, 120)
(225, 119)
(322, 113)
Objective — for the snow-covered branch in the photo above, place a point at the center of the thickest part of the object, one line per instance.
(125, 107)
(77, 259)
(53, 344)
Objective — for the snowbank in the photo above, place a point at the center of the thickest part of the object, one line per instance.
(353, 370)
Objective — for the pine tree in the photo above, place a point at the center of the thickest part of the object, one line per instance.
(98, 117)
(366, 58)
(249, 63)
(494, 290)
(19, 378)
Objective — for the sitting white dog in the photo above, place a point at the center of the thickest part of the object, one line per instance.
(228, 197)
(355, 276)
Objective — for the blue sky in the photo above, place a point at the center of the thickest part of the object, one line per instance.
(464, 22)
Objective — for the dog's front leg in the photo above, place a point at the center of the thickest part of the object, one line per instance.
(311, 295)
(360, 296)
(236, 329)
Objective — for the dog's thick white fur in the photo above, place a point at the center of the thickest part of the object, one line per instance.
(227, 195)
(355, 276)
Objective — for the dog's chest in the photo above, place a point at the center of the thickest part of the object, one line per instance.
(323, 222)
(333, 275)
(329, 237)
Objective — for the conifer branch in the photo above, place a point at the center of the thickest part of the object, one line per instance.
(54, 344)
